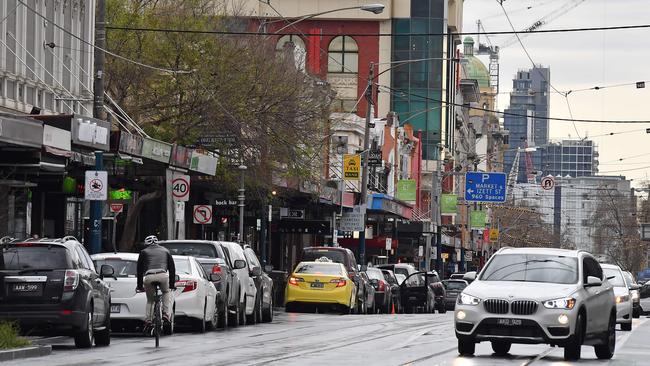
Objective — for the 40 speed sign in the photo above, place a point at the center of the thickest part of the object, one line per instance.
(181, 188)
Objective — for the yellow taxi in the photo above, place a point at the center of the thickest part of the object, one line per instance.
(320, 282)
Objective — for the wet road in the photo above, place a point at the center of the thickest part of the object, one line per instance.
(329, 339)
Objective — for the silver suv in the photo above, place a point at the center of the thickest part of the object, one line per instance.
(538, 295)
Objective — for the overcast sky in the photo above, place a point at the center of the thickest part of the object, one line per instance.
(583, 60)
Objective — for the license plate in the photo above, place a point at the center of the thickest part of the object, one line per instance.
(115, 308)
(317, 285)
(25, 287)
(509, 322)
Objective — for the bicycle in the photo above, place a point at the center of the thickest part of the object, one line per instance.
(157, 312)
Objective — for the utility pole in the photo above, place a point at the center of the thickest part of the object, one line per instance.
(97, 207)
(364, 176)
(241, 197)
(435, 216)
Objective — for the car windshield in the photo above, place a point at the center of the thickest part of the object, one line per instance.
(401, 271)
(616, 278)
(388, 276)
(319, 268)
(375, 274)
(192, 249)
(182, 265)
(334, 255)
(123, 268)
(28, 256)
(628, 278)
(532, 268)
(454, 285)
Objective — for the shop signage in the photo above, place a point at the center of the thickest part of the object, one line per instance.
(96, 188)
(477, 219)
(21, 132)
(225, 203)
(57, 138)
(203, 163)
(91, 132)
(130, 144)
(181, 156)
(494, 235)
(444, 256)
(375, 158)
(116, 208)
(292, 213)
(407, 190)
(351, 166)
(448, 204)
(156, 150)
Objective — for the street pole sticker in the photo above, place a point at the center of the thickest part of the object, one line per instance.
(202, 214)
(116, 208)
(351, 166)
(181, 188)
(548, 183)
(96, 188)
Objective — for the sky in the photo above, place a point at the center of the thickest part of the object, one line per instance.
(578, 61)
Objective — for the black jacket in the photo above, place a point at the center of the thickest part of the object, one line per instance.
(156, 257)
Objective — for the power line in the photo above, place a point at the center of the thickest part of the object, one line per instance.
(390, 34)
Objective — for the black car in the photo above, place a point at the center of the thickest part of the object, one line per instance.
(264, 284)
(453, 289)
(417, 295)
(50, 287)
(216, 261)
(396, 298)
(383, 290)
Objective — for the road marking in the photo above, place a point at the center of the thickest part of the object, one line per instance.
(538, 357)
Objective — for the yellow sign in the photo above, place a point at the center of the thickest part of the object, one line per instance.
(351, 166)
(445, 255)
(494, 234)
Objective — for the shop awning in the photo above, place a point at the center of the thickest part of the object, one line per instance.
(21, 131)
(389, 204)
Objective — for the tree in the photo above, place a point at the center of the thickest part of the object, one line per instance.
(522, 226)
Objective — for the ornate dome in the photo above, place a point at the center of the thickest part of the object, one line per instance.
(475, 67)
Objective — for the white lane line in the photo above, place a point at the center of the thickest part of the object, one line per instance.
(538, 357)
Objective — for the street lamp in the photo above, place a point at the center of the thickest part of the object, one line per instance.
(373, 8)
(242, 190)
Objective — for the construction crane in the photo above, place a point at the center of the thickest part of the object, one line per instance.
(514, 169)
(493, 50)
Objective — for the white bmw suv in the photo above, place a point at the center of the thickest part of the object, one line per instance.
(538, 295)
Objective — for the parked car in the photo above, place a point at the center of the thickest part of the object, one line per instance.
(383, 290)
(248, 291)
(195, 296)
(264, 285)
(321, 282)
(644, 294)
(393, 282)
(369, 301)
(433, 281)
(538, 295)
(345, 257)
(404, 269)
(614, 275)
(634, 294)
(400, 277)
(215, 260)
(417, 295)
(50, 287)
(127, 306)
(453, 288)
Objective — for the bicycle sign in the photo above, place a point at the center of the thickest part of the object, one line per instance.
(181, 188)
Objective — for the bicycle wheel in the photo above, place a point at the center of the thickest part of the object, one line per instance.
(157, 324)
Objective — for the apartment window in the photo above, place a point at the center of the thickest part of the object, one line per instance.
(343, 55)
(20, 92)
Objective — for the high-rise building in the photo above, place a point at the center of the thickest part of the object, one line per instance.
(526, 118)
(574, 158)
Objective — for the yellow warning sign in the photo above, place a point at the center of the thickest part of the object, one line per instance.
(494, 235)
(351, 166)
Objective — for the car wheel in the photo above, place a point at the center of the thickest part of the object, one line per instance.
(85, 337)
(466, 347)
(223, 315)
(267, 315)
(242, 312)
(626, 326)
(213, 323)
(605, 351)
(200, 323)
(103, 337)
(168, 328)
(573, 348)
(252, 318)
(636, 313)
(501, 348)
(233, 316)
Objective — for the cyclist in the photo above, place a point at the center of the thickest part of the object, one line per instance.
(155, 264)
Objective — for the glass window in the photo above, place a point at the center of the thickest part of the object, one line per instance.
(294, 45)
(375, 274)
(320, 268)
(123, 268)
(35, 257)
(252, 258)
(614, 277)
(191, 249)
(343, 55)
(532, 268)
(182, 265)
(454, 285)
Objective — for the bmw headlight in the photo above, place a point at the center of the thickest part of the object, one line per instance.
(465, 299)
(634, 294)
(566, 303)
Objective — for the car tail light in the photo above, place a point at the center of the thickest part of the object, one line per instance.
(294, 280)
(188, 285)
(381, 286)
(216, 269)
(24, 245)
(71, 280)
(340, 282)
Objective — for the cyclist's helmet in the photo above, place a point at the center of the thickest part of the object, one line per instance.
(151, 239)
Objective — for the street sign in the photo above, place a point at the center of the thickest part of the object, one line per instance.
(485, 187)
(116, 208)
(548, 183)
(179, 211)
(181, 188)
(389, 243)
(468, 256)
(351, 166)
(374, 157)
(420, 251)
(353, 221)
(494, 235)
(96, 188)
(292, 214)
(444, 256)
(202, 214)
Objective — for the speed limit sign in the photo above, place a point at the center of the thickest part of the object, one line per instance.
(181, 188)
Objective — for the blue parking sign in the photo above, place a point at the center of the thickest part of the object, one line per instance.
(485, 187)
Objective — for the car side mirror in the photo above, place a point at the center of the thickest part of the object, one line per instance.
(268, 268)
(214, 277)
(634, 287)
(240, 263)
(256, 271)
(106, 270)
(469, 276)
(593, 281)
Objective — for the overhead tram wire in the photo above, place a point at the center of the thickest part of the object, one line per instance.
(566, 95)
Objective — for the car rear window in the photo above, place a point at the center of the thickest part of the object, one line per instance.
(182, 265)
(123, 268)
(455, 285)
(532, 268)
(403, 271)
(319, 268)
(375, 274)
(617, 280)
(28, 256)
(334, 255)
(192, 249)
